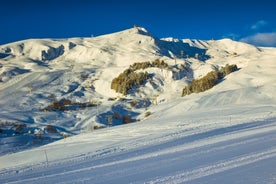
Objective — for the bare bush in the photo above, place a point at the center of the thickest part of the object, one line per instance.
(148, 113)
(133, 103)
(126, 119)
(116, 115)
(50, 129)
(19, 126)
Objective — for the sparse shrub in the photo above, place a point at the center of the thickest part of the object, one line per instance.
(51, 129)
(122, 99)
(126, 119)
(109, 119)
(116, 115)
(227, 70)
(65, 135)
(112, 98)
(159, 64)
(147, 114)
(30, 88)
(142, 65)
(19, 126)
(83, 106)
(84, 76)
(56, 105)
(133, 103)
(66, 102)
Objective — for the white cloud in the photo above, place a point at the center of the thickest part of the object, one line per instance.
(259, 24)
(261, 39)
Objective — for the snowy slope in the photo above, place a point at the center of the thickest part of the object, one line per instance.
(222, 135)
(222, 145)
(36, 72)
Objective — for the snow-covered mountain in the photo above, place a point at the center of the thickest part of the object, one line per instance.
(52, 89)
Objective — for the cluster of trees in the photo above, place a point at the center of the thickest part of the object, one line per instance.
(227, 70)
(209, 80)
(130, 78)
(127, 80)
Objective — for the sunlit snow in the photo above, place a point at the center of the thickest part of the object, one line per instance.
(224, 135)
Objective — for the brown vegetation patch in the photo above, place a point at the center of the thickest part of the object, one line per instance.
(126, 119)
(208, 81)
(129, 78)
(66, 105)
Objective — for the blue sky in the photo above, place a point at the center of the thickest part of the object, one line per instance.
(243, 20)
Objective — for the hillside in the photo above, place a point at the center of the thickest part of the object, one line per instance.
(60, 92)
(37, 75)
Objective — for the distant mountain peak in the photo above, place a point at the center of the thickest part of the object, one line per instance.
(141, 30)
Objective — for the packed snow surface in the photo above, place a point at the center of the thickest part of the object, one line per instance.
(224, 135)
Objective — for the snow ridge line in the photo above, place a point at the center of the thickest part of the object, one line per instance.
(222, 166)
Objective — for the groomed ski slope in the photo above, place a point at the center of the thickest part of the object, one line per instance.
(223, 145)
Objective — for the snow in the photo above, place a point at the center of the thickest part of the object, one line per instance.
(188, 148)
(224, 135)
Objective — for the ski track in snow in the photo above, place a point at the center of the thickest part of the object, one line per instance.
(187, 176)
(156, 156)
